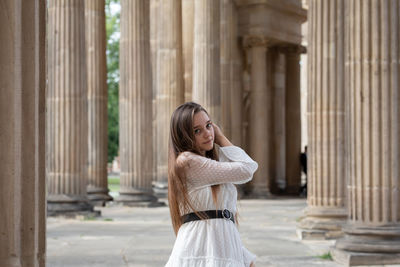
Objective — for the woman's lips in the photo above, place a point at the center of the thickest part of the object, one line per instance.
(208, 142)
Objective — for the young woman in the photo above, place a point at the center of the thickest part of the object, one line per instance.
(201, 194)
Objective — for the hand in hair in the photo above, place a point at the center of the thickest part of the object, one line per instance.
(220, 138)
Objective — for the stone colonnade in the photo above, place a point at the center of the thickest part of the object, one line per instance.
(22, 120)
(354, 129)
(193, 59)
(202, 66)
(274, 115)
(372, 229)
(366, 64)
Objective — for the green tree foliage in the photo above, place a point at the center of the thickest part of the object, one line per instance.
(113, 33)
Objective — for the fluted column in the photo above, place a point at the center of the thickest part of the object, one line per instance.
(95, 33)
(170, 87)
(372, 231)
(231, 91)
(235, 72)
(206, 57)
(259, 119)
(279, 119)
(67, 117)
(293, 118)
(226, 38)
(187, 46)
(22, 131)
(154, 4)
(326, 211)
(135, 100)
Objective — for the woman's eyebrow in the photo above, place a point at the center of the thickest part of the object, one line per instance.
(198, 126)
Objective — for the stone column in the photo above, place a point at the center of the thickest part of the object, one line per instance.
(170, 90)
(226, 39)
(235, 72)
(67, 117)
(95, 33)
(279, 119)
(153, 54)
(22, 128)
(326, 211)
(187, 44)
(206, 57)
(293, 119)
(372, 231)
(259, 119)
(154, 4)
(231, 90)
(135, 100)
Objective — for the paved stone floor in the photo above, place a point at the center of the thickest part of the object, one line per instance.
(126, 236)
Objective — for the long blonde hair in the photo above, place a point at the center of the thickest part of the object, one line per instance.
(181, 140)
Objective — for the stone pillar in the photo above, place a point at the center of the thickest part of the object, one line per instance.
(154, 4)
(187, 44)
(279, 119)
(206, 57)
(67, 117)
(153, 54)
(293, 119)
(372, 231)
(236, 73)
(259, 118)
(170, 90)
(326, 211)
(22, 128)
(231, 90)
(135, 100)
(95, 33)
(226, 39)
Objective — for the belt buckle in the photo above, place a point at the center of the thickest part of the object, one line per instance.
(226, 214)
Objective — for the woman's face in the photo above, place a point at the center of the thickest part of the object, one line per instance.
(203, 132)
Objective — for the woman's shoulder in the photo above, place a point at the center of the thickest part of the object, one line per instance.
(185, 158)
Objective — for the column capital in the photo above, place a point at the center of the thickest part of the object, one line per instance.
(254, 40)
(292, 49)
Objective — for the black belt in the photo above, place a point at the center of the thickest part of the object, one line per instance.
(209, 214)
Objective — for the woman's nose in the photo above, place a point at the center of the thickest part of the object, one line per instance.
(207, 133)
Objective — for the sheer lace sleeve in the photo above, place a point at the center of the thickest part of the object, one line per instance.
(236, 167)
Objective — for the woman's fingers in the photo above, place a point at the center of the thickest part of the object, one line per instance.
(216, 128)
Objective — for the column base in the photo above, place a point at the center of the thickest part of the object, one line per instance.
(160, 189)
(139, 200)
(98, 196)
(14, 261)
(357, 258)
(304, 234)
(99, 199)
(368, 246)
(322, 224)
(71, 209)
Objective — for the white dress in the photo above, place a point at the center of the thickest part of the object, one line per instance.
(213, 242)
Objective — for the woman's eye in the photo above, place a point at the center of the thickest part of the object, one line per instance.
(208, 125)
(196, 131)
